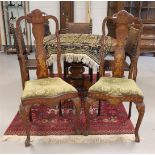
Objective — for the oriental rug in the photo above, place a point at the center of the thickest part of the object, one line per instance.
(46, 121)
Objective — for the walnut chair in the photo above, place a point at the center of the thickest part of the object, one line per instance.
(132, 48)
(117, 89)
(44, 90)
(79, 28)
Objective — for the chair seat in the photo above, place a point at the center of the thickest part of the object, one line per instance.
(116, 87)
(47, 87)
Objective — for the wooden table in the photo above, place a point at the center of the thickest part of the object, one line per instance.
(82, 49)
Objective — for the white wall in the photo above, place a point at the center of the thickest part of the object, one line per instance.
(49, 7)
(80, 10)
(98, 13)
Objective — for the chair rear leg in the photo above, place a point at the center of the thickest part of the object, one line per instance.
(24, 113)
(97, 76)
(77, 104)
(65, 69)
(141, 110)
(135, 72)
(91, 74)
(99, 108)
(60, 109)
(51, 70)
(130, 107)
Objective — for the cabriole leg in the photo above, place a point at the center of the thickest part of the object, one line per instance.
(88, 103)
(141, 109)
(77, 104)
(24, 113)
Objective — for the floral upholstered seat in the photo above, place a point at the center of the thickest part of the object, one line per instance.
(47, 87)
(116, 87)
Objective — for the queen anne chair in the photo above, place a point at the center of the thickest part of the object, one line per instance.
(117, 89)
(132, 48)
(44, 90)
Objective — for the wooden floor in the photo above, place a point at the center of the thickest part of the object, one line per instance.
(10, 92)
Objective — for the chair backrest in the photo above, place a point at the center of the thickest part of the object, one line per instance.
(85, 28)
(134, 35)
(37, 19)
(47, 32)
(121, 26)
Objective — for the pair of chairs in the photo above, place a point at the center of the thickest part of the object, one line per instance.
(52, 91)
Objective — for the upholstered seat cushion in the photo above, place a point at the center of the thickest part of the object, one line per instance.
(47, 87)
(116, 86)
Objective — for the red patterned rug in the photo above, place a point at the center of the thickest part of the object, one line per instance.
(46, 121)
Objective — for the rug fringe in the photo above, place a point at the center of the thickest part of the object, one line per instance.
(73, 139)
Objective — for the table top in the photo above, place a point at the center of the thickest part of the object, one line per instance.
(79, 47)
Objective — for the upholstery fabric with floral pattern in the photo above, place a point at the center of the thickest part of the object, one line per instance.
(116, 87)
(48, 87)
